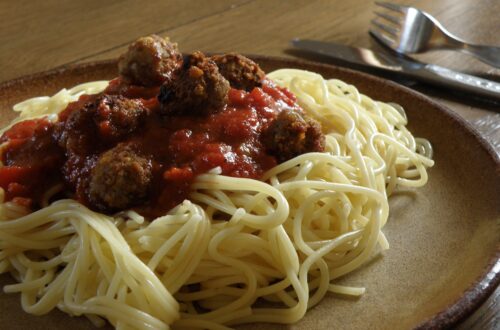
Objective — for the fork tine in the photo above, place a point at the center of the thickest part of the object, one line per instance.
(392, 31)
(389, 18)
(392, 6)
(383, 38)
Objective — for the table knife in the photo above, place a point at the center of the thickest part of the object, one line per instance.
(406, 66)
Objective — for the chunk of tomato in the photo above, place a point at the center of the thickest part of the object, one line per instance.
(14, 174)
(24, 129)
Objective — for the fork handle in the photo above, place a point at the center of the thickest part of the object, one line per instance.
(459, 81)
(487, 54)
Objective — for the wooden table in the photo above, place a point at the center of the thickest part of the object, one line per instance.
(41, 35)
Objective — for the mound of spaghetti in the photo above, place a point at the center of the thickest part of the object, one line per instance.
(196, 192)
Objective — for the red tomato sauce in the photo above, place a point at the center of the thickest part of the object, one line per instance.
(180, 147)
(31, 160)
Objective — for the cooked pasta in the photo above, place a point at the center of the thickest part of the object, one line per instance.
(239, 250)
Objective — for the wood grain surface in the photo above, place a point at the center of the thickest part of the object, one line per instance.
(41, 35)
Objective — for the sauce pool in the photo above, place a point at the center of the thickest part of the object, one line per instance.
(180, 147)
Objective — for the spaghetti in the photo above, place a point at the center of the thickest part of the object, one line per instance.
(239, 250)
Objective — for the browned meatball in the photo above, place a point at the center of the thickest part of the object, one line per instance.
(120, 179)
(292, 134)
(150, 61)
(103, 121)
(242, 72)
(200, 88)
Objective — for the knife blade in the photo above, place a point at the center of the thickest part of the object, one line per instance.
(406, 66)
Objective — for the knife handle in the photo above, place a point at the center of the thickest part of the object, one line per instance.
(460, 81)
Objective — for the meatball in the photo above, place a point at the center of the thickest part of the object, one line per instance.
(200, 88)
(150, 61)
(120, 179)
(104, 121)
(242, 72)
(292, 134)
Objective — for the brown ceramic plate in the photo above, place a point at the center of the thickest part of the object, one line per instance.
(444, 237)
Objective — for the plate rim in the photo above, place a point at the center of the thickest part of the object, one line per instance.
(489, 279)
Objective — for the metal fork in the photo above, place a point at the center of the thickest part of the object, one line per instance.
(410, 30)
